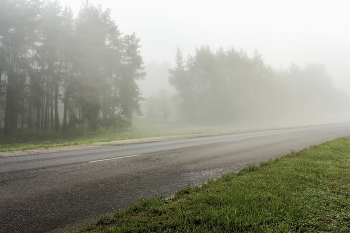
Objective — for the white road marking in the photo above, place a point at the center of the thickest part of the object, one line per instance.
(102, 160)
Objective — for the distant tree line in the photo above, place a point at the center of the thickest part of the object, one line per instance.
(51, 60)
(161, 106)
(229, 86)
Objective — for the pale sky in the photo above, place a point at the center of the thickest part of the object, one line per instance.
(298, 31)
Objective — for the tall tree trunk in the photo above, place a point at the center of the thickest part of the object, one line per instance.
(65, 109)
(47, 101)
(113, 110)
(38, 117)
(42, 108)
(79, 116)
(104, 112)
(30, 120)
(57, 120)
(14, 119)
(45, 113)
(22, 113)
(8, 110)
(10, 106)
(51, 109)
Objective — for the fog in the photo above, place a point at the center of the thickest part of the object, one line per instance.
(297, 32)
(251, 63)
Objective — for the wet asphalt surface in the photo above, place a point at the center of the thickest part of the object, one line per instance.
(53, 191)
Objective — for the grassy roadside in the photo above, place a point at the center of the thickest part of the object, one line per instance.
(142, 128)
(305, 191)
(30, 139)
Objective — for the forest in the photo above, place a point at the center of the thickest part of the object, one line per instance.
(58, 71)
(51, 60)
(229, 86)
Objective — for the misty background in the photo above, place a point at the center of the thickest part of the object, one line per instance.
(100, 63)
(299, 32)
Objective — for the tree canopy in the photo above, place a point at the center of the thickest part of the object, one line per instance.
(51, 60)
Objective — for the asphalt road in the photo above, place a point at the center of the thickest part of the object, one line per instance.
(44, 192)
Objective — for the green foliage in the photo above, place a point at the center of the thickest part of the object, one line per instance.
(49, 59)
(305, 191)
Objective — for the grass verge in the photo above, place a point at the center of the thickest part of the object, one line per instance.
(30, 139)
(27, 139)
(305, 191)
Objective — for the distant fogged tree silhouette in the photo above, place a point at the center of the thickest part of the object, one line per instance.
(230, 86)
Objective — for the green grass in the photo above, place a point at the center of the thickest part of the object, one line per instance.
(30, 139)
(305, 191)
(142, 128)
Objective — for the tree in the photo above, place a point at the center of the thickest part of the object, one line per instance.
(19, 20)
(47, 58)
(132, 70)
(178, 77)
